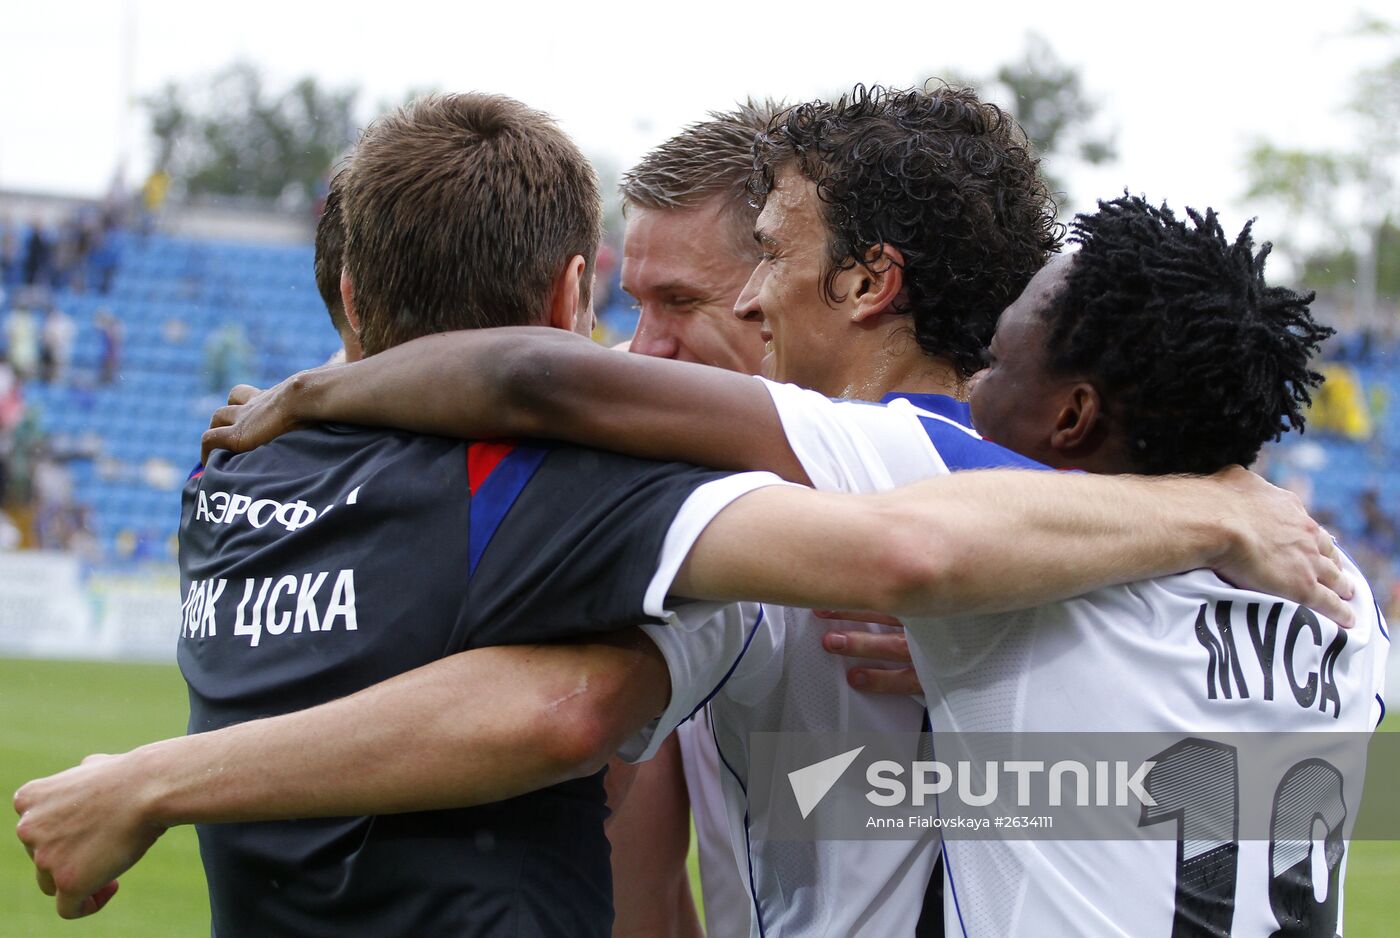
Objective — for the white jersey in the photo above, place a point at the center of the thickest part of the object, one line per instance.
(764, 670)
(785, 682)
(1186, 655)
(728, 905)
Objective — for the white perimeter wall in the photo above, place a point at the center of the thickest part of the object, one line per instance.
(48, 611)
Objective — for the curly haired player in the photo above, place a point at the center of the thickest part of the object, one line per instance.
(1159, 348)
(935, 182)
(1202, 360)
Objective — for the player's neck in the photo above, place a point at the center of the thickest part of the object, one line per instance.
(895, 363)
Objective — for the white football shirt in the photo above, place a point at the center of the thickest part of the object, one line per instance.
(764, 670)
(728, 904)
(1187, 654)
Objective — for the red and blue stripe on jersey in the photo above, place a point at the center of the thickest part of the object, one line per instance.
(497, 472)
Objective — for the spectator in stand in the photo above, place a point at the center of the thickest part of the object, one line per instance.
(111, 335)
(1340, 406)
(22, 336)
(11, 412)
(66, 256)
(11, 397)
(10, 535)
(56, 345)
(227, 357)
(102, 259)
(53, 501)
(38, 255)
(153, 195)
(25, 447)
(1378, 529)
(116, 203)
(10, 268)
(94, 260)
(82, 541)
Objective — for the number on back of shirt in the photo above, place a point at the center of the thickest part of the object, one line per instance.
(1196, 784)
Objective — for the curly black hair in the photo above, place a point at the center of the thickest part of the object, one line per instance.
(1202, 362)
(946, 178)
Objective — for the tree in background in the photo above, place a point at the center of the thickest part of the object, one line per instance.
(232, 135)
(1343, 201)
(1047, 97)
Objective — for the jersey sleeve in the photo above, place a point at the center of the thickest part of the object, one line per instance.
(582, 541)
(853, 446)
(700, 658)
(857, 446)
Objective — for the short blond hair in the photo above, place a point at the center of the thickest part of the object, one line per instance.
(711, 159)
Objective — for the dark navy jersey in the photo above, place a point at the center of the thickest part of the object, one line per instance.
(337, 557)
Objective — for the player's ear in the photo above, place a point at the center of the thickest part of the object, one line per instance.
(876, 287)
(566, 305)
(347, 299)
(1080, 419)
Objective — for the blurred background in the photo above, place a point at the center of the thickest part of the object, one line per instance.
(162, 167)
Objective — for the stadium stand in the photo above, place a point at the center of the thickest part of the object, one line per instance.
(1346, 466)
(196, 316)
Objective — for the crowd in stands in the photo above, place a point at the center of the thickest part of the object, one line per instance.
(38, 263)
(1346, 466)
(111, 363)
(79, 253)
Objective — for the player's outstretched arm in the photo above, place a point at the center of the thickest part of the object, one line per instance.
(464, 730)
(527, 382)
(993, 541)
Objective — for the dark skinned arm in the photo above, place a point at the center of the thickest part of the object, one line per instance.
(528, 382)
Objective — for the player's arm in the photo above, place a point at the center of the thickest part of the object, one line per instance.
(476, 727)
(992, 541)
(528, 382)
(649, 830)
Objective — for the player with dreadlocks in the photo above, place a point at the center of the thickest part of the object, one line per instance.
(1159, 348)
(1169, 326)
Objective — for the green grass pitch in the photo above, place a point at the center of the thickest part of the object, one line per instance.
(54, 713)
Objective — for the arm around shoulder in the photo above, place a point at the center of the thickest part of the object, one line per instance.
(998, 540)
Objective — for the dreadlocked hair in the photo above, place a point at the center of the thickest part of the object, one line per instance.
(1202, 360)
(947, 179)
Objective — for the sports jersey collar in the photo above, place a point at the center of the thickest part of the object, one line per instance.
(940, 404)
